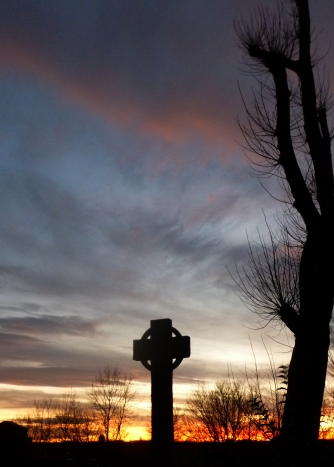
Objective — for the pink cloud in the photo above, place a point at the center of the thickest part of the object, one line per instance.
(182, 122)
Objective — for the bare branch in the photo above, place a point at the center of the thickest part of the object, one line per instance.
(268, 284)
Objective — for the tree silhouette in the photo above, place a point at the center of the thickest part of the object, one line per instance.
(221, 411)
(111, 395)
(291, 279)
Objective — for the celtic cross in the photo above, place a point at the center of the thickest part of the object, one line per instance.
(160, 348)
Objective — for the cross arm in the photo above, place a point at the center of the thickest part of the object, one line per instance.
(142, 349)
(177, 347)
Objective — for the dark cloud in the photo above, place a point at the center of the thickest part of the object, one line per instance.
(22, 343)
(51, 358)
(31, 306)
(11, 309)
(48, 376)
(25, 348)
(18, 399)
(50, 324)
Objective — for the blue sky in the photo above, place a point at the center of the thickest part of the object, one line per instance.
(125, 193)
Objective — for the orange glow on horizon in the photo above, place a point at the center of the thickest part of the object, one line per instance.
(137, 433)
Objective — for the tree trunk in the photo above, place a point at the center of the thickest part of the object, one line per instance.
(306, 382)
(308, 366)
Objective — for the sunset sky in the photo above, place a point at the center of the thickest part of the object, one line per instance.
(125, 193)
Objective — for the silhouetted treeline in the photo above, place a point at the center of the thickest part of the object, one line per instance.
(106, 412)
(232, 409)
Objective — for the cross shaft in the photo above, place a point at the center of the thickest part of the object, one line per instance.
(160, 350)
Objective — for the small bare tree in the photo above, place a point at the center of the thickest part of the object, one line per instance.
(187, 428)
(65, 409)
(221, 411)
(62, 419)
(85, 425)
(41, 422)
(111, 395)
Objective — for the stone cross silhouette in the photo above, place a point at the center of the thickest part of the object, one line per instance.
(158, 346)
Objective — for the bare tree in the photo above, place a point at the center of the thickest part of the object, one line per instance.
(65, 411)
(111, 395)
(221, 411)
(188, 428)
(199, 408)
(40, 421)
(287, 130)
(234, 410)
(86, 428)
(63, 419)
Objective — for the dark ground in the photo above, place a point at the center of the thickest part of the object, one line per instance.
(138, 454)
